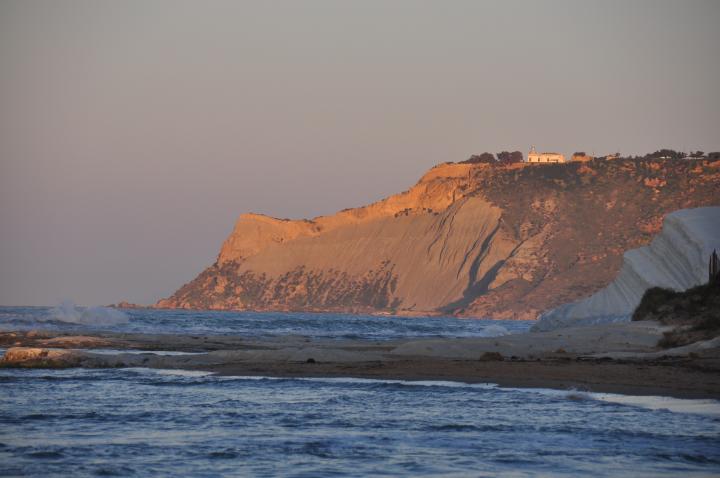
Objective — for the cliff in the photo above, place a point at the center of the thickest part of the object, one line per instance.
(676, 259)
(468, 239)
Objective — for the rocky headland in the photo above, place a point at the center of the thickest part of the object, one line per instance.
(469, 239)
(671, 347)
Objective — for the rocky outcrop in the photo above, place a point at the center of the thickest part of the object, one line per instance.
(468, 239)
(676, 259)
(30, 357)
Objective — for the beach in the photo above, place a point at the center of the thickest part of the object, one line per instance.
(614, 358)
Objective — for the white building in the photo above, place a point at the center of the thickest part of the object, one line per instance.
(535, 157)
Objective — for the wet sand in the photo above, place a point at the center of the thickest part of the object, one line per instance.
(617, 358)
(680, 379)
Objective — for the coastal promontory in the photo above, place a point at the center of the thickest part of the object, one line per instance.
(469, 239)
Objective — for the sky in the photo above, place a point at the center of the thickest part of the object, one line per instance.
(133, 133)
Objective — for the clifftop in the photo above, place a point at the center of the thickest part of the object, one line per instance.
(436, 190)
(468, 239)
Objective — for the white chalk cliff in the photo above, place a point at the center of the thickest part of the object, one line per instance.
(677, 258)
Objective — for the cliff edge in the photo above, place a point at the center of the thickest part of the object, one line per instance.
(475, 240)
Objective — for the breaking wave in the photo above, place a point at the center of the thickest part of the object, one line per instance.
(69, 312)
(493, 331)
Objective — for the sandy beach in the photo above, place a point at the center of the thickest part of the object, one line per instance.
(617, 358)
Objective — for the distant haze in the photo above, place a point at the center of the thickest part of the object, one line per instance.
(132, 133)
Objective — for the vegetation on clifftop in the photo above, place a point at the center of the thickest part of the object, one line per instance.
(695, 313)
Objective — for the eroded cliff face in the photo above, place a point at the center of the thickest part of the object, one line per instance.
(676, 259)
(438, 189)
(467, 239)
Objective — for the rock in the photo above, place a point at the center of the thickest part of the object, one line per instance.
(123, 304)
(37, 334)
(480, 240)
(76, 341)
(491, 357)
(676, 259)
(33, 357)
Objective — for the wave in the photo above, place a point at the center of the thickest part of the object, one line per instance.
(699, 406)
(69, 312)
(708, 407)
(493, 331)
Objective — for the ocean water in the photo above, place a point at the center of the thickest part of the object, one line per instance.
(145, 422)
(250, 324)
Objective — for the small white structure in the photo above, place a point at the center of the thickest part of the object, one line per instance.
(535, 157)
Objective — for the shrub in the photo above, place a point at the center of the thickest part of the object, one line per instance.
(482, 158)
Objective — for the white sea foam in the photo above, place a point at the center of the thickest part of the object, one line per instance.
(708, 407)
(676, 405)
(411, 383)
(494, 331)
(368, 381)
(350, 380)
(138, 352)
(171, 372)
(68, 312)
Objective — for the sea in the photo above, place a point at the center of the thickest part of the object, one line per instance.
(150, 422)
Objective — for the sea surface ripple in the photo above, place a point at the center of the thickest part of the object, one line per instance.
(144, 422)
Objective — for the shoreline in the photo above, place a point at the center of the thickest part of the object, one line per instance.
(636, 379)
(612, 358)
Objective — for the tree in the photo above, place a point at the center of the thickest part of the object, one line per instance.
(697, 154)
(714, 155)
(506, 157)
(666, 153)
(503, 157)
(482, 158)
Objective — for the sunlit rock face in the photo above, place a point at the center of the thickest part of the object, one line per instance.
(32, 357)
(477, 240)
(676, 259)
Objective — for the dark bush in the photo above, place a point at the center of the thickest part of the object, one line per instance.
(482, 158)
(652, 300)
(506, 157)
(695, 313)
(666, 153)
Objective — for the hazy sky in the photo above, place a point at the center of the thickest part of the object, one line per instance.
(132, 133)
